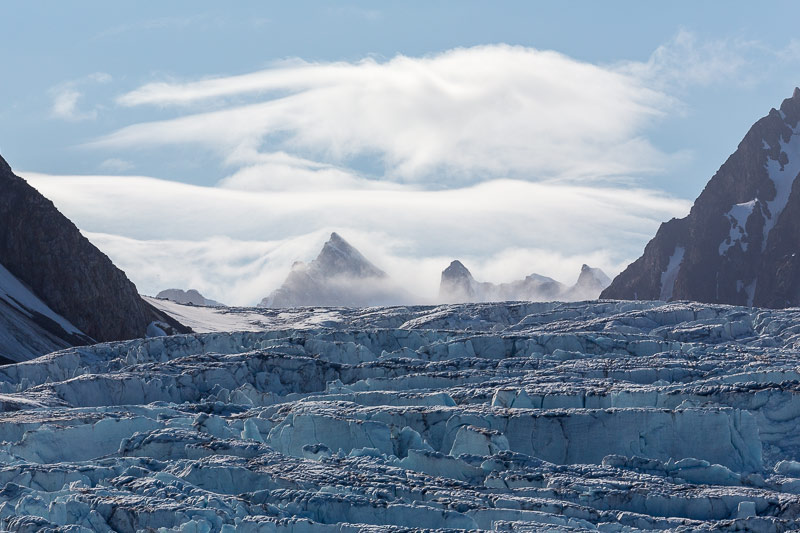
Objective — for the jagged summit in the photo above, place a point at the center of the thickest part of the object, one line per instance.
(592, 278)
(46, 253)
(738, 245)
(458, 285)
(339, 276)
(456, 268)
(338, 257)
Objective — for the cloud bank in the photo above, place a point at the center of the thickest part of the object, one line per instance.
(512, 159)
(237, 246)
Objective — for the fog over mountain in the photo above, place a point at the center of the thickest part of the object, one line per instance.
(458, 285)
(339, 276)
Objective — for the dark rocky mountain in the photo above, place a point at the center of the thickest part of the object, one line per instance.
(339, 276)
(458, 285)
(28, 327)
(44, 251)
(190, 297)
(740, 242)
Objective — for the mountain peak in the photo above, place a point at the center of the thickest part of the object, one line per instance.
(339, 258)
(593, 277)
(339, 276)
(738, 245)
(456, 270)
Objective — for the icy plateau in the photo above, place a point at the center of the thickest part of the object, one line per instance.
(607, 416)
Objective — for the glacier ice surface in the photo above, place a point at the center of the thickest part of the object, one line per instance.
(594, 416)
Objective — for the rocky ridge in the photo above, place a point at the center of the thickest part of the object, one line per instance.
(738, 245)
(457, 285)
(45, 251)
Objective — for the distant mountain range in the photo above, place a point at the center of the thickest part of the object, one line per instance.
(56, 288)
(740, 243)
(190, 297)
(458, 285)
(342, 276)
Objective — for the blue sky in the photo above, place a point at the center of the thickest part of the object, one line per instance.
(402, 105)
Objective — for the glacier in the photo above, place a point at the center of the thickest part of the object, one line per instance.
(518, 416)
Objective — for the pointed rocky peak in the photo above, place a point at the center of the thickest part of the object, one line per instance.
(456, 270)
(457, 284)
(340, 258)
(339, 276)
(593, 277)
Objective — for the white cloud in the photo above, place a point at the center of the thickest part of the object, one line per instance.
(66, 96)
(114, 164)
(65, 105)
(686, 60)
(280, 171)
(236, 246)
(456, 117)
(508, 158)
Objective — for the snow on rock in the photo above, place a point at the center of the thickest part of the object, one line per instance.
(602, 416)
(670, 275)
(782, 171)
(28, 327)
(738, 216)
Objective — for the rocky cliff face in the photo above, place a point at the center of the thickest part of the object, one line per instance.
(46, 252)
(739, 244)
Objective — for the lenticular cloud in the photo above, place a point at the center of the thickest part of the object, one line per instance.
(463, 115)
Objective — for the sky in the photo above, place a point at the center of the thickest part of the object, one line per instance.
(208, 145)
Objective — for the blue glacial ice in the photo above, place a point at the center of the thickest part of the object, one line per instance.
(594, 416)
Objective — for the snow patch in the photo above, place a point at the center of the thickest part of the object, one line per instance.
(750, 289)
(783, 177)
(669, 276)
(22, 299)
(738, 216)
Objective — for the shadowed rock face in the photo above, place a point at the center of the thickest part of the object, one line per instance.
(44, 250)
(739, 244)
